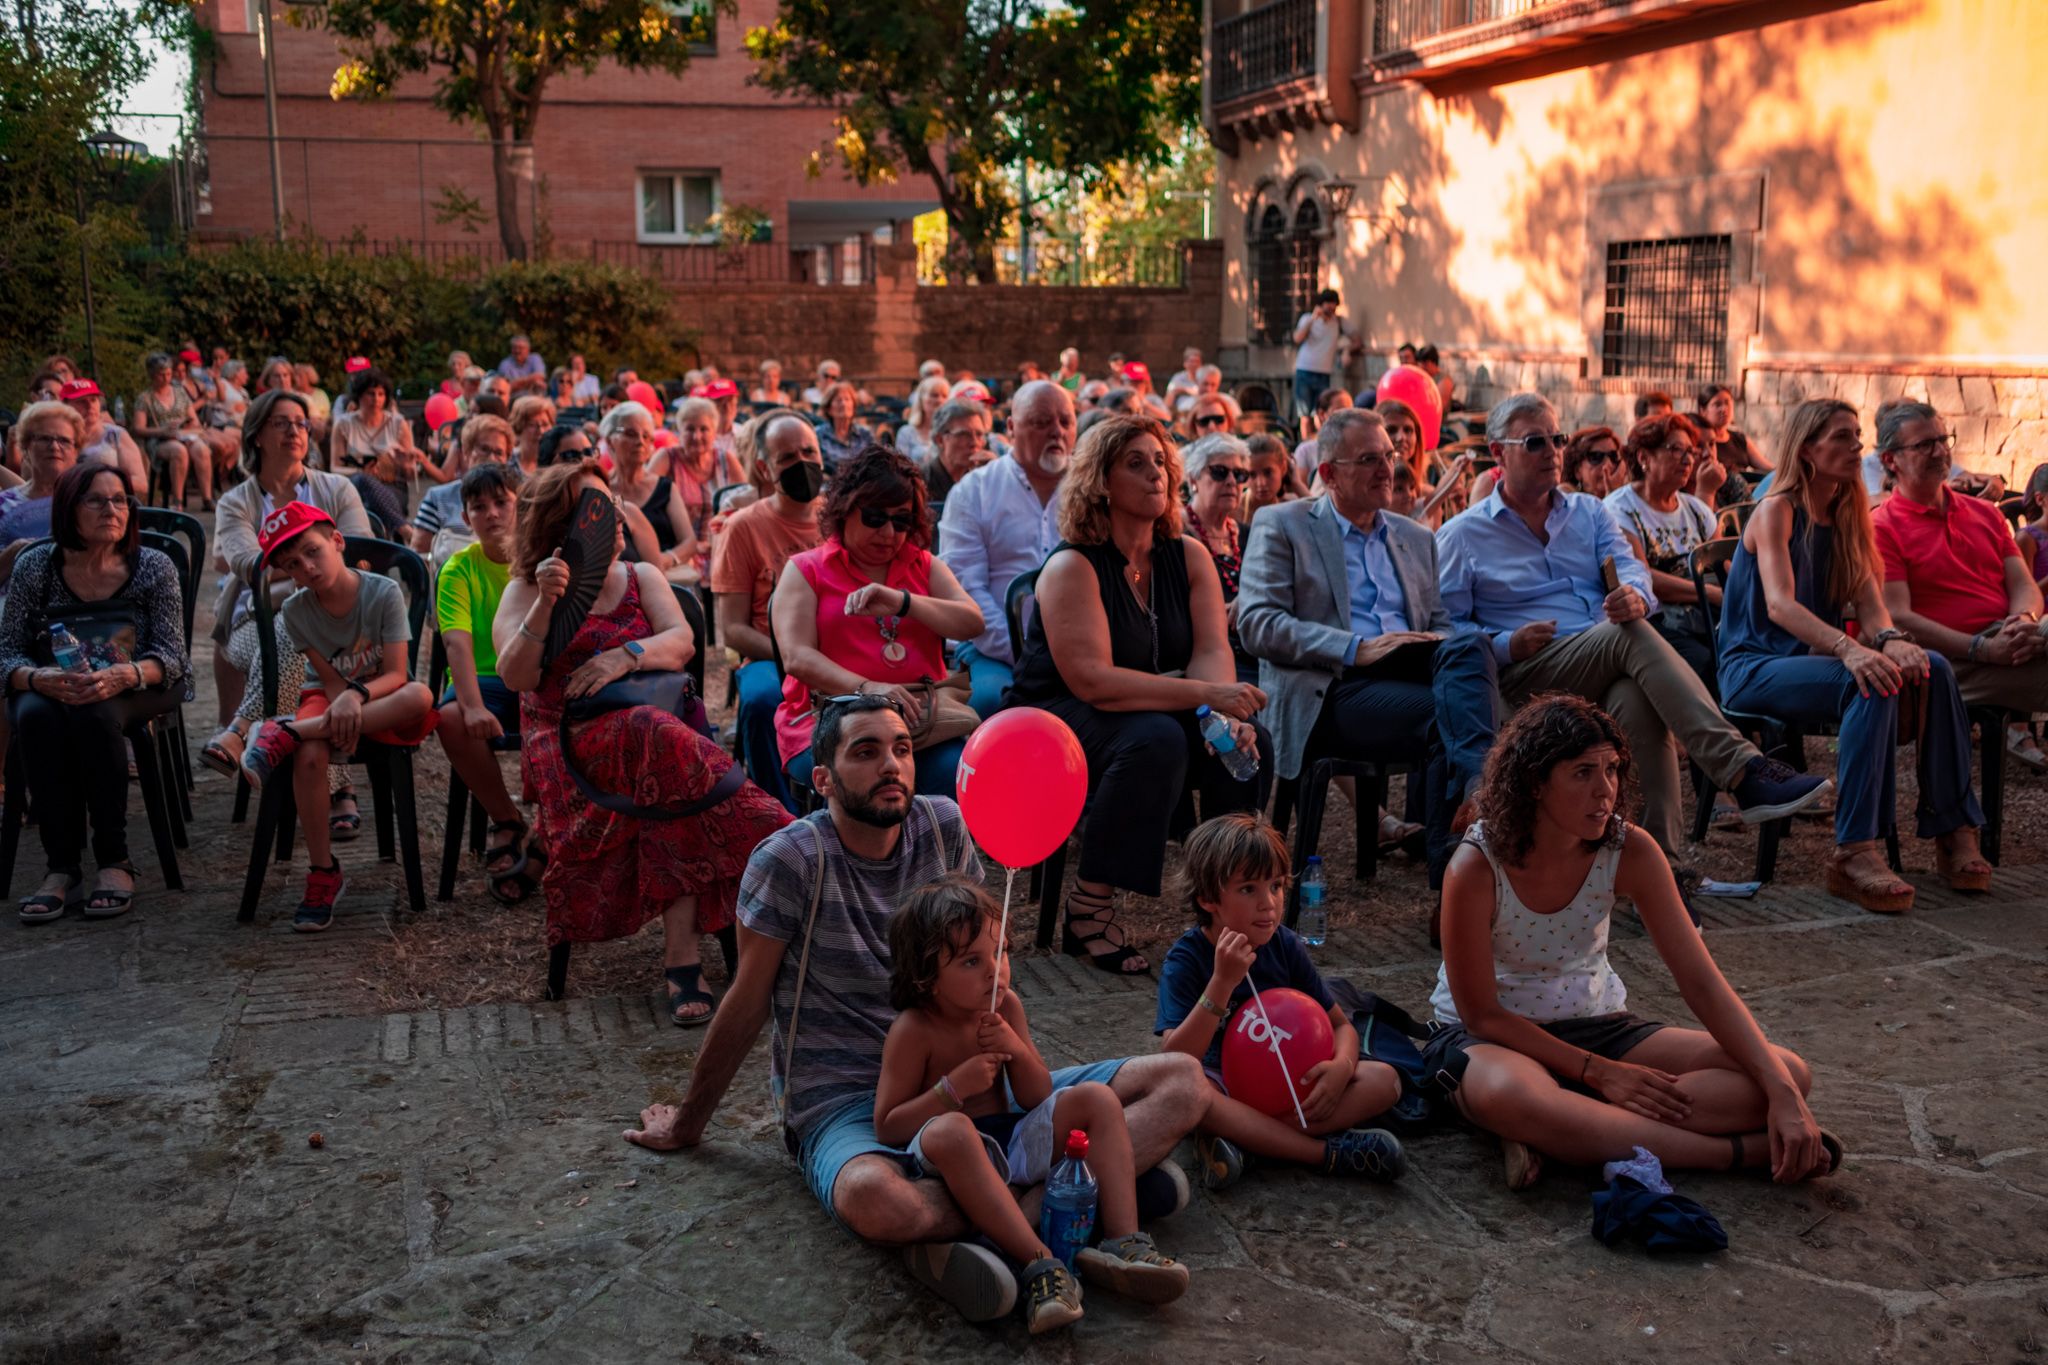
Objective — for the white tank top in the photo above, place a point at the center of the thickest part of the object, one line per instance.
(1548, 967)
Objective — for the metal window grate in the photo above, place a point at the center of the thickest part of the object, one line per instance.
(1666, 310)
(1271, 276)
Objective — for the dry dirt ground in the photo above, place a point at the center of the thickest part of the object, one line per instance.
(469, 1199)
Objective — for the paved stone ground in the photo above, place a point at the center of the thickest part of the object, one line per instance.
(472, 1201)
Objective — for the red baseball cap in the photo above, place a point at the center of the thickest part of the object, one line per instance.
(191, 357)
(288, 521)
(1135, 372)
(972, 392)
(354, 363)
(716, 389)
(75, 389)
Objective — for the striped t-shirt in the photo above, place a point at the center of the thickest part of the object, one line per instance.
(846, 1013)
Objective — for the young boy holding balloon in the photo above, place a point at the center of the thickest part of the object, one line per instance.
(959, 1036)
(1238, 991)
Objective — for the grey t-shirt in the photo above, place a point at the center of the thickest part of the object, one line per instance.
(846, 1012)
(354, 643)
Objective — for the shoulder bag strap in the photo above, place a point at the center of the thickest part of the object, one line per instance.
(727, 785)
(803, 967)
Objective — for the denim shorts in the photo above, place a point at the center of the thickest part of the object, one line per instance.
(501, 701)
(1446, 1052)
(847, 1131)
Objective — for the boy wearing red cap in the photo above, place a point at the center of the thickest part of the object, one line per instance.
(352, 627)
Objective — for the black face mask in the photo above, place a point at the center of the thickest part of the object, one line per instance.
(801, 482)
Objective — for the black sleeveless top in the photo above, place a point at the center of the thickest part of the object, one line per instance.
(1161, 640)
(656, 508)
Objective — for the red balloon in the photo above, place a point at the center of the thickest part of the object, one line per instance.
(1413, 386)
(664, 438)
(1251, 1071)
(1023, 781)
(441, 410)
(642, 392)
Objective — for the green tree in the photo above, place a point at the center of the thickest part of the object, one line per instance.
(491, 61)
(962, 91)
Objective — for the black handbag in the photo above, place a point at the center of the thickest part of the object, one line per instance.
(673, 692)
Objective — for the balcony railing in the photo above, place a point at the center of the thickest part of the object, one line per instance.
(1399, 25)
(1063, 261)
(1262, 48)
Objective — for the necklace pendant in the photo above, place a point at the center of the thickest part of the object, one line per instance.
(894, 652)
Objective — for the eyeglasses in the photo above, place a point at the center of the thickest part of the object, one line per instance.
(980, 438)
(1685, 451)
(1376, 459)
(1211, 419)
(100, 502)
(1946, 445)
(282, 425)
(49, 443)
(1222, 472)
(1538, 442)
(874, 518)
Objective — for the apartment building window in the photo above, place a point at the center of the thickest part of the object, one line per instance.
(1271, 319)
(677, 206)
(1665, 311)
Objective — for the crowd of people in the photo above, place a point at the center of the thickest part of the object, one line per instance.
(1210, 602)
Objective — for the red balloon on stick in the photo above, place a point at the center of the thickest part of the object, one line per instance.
(642, 392)
(1298, 1027)
(1023, 781)
(441, 410)
(1413, 386)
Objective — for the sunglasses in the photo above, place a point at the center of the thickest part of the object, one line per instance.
(1214, 419)
(867, 701)
(874, 518)
(1605, 457)
(1221, 473)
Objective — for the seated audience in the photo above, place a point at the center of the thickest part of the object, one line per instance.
(477, 709)
(840, 437)
(1210, 413)
(1655, 403)
(1218, 467)
(532, 417)
(698, 467)
(1306, 457)
(486, 440)
(1733, 452)
(657, 523)
(610, 872)
(1186, 382)
(371, 445)
(124, 606)
(165, 422)
(768, 393)
(959, 446)
(1664, 525)
(351, 627)
(1806, 556)
(1274, 478)
(1129, 639)
(1593, 463)
(1357, 654)
(1001, 521)
(1535, 1041)
(917, 437)
(747, 561)
(49, 435)
(1528, 566)
(306, 379)
(523, 369)
(106, 442)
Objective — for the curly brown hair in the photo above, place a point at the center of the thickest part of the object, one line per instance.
(1084, 499)
(547, 504)
(932, 924)
(1226, 850)
(879, 476)
(1552, 729)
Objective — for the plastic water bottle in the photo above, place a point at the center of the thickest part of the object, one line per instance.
(1066, 1222)
(65, 649)
(1216, 730)
(1313, 921)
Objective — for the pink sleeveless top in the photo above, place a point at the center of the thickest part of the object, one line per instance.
(856, 643)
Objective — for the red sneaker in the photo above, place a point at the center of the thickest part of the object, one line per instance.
(269, 751)
(324, 886)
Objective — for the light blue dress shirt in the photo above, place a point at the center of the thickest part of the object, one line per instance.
(1495, 574)
(994, 528)
(1378, 606)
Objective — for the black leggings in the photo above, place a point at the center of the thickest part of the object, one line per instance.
(77, 767)
(1139, 762)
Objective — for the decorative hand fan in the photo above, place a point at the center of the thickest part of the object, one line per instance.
(588, 550)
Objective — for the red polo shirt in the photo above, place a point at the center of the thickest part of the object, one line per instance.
(1951, 557)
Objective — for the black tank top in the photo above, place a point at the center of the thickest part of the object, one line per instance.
(656, 508)
(1159, 640)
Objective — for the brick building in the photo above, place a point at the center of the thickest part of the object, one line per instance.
(626, 165)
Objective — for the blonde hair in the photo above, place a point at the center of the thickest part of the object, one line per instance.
(480, 426)
(1084, 501)
(1854, 561)
(530, 405)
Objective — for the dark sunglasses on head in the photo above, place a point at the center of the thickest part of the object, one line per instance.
(1214, 419)
(1221, 472)
(874, 518)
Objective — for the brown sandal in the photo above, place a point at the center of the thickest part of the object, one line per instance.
(1882, 893)
(1970, 873)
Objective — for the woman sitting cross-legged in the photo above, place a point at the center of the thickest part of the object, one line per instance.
(871, 610)
(124, 606)
(1129, 640)
(1534, 1039)
(608, 873)
(1806, 555)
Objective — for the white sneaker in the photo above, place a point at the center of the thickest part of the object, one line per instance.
(2021, 745)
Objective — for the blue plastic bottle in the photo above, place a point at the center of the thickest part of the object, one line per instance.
(1216, 730)
(1313, 923)
(1066, 1223)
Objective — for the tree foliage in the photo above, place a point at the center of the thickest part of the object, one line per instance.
(961, 91)
(491, 61)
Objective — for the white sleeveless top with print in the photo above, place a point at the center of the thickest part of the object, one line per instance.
(1548, 967)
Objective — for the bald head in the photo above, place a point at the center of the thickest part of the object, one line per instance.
(1042, 429)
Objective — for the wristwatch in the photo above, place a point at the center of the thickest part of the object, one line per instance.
(637, 650)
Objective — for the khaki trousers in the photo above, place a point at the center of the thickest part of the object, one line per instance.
(1639, 679)
(2022, 688)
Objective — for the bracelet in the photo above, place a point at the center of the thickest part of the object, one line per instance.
(537, 639)
(1977, 643)
(906, 602)
(1210, 1005)
(1840, 640)
(946, 1092)
(139, 682)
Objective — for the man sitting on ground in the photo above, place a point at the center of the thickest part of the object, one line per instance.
(815, 906)
(1530, 564)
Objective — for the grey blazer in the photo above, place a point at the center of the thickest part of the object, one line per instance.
(1294, 609)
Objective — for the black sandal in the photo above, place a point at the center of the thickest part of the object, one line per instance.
(44, 906)
(107, 903)
(687, 985)
(513, 887)
(1121, 959)
(343, 825)
(1829, 1143)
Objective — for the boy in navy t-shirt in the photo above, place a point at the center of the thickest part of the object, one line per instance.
(1237, 872)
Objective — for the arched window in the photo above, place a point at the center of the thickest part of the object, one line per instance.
(1304, 257)
(1273, 310)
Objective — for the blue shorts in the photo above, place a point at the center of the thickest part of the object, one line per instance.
(501, 701)
(847, 1130)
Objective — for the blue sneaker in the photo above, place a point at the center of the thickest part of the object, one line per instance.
(269, 752)
(1769, 790)
(1373, 1153)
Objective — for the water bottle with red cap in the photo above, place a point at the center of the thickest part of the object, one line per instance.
(1066, 1223)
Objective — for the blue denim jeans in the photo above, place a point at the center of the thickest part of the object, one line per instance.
(989, 677)
(754, 727)
(1309, 385)
(1809, 688)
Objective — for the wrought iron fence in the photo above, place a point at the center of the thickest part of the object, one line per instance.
(678, 263)
(1398, 25)
(1262, 48)
(1665, 313)
(1060, 261)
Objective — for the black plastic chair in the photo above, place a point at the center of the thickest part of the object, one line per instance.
(173, 742)
(188, 528)
(389, 765)
(1305, 797)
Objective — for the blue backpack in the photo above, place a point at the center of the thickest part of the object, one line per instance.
(1387, 1033)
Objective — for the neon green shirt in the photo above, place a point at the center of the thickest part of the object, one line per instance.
(467, 599)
